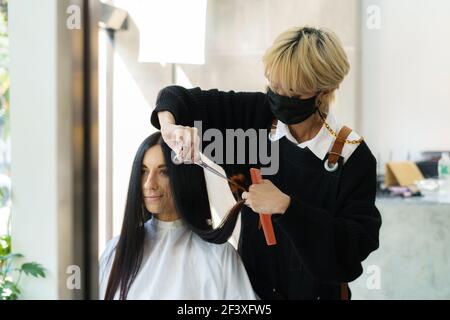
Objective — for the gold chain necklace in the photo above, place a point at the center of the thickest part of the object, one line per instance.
(334, 134)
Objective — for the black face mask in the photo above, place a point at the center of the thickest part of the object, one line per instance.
(291, 110)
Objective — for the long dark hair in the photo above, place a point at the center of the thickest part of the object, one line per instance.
(188, 187)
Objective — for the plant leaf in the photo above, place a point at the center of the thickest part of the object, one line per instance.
(33, 269)
(9, 291)
(11, 256)
(5, 244)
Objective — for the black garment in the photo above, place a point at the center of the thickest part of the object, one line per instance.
(332, 223)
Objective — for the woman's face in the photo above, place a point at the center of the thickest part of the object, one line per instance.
(156, 191)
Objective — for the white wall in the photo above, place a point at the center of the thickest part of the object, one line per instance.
(41, 138)
(406, 78)
(33, 136)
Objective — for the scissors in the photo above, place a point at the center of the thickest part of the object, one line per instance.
(206, 166)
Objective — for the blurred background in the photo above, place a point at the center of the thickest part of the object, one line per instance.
(84, 76)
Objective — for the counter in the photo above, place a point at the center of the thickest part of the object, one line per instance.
(413, 259)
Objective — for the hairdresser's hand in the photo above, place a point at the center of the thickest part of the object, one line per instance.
(266, 198)
(184, 141)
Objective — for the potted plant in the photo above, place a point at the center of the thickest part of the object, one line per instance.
(10, 276)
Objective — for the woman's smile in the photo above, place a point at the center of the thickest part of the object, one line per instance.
(153, 198)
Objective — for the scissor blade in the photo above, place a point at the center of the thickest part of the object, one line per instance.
(219, 174)
(210, 169)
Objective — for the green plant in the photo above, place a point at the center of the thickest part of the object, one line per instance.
(9, 285)
(5, 245)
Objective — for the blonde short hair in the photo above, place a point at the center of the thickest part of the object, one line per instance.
(305, 61)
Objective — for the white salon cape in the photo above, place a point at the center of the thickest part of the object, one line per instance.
(178, 265)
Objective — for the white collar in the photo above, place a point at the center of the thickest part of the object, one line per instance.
(160, 224)
(322, 142)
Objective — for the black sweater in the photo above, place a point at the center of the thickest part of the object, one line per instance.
(331, 224)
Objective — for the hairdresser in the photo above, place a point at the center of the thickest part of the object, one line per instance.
(322, 197)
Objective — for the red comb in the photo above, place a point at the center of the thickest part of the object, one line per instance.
(265, 219)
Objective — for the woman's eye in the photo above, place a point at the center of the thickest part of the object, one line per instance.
(163, 172)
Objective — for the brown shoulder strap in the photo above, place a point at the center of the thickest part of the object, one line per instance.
(338, 145)
(333, 157)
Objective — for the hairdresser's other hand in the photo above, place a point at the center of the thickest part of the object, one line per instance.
(266, 198)
(184, 141)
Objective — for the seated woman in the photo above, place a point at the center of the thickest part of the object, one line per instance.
(167, 248)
